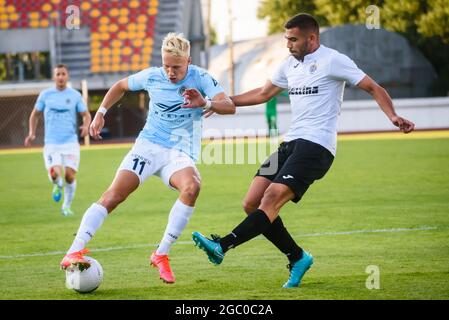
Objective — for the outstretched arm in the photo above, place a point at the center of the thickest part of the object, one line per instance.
(114, 94)
(257, 96)
(32, 124)
(384, 101)
(220, 103)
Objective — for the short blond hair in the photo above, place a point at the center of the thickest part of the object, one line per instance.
(175, 44)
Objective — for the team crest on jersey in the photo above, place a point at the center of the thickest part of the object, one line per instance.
(181, 90)
(67, 101)
(313, 68)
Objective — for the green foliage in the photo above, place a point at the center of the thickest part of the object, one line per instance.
(342, 12)
(425, 23)
(279, 11)
(435, 22)
(213, 36)
(30, 61)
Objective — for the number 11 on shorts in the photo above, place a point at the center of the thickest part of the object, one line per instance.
(136, 163)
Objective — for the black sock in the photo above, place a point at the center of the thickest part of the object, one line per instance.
(255, 223)
(278, 235)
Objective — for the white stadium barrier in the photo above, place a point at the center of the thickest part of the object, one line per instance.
(355, 116)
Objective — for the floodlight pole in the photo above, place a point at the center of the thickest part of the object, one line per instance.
(208, 27)
(85, 94)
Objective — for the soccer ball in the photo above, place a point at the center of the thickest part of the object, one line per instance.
(87, 280)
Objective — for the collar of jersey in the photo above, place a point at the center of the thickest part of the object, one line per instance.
(313, 55)
(57, 90)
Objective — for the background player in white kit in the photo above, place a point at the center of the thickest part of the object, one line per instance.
(166, 147)
(60, 106)
(314, 76)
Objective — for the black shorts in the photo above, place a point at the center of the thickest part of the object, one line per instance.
(297, 164)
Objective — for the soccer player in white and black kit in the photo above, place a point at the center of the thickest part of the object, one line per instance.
(314, 76)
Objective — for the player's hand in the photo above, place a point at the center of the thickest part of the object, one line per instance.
(84, 131)
(403, 124)
(28, 140)
(96, 126)
(193, 99)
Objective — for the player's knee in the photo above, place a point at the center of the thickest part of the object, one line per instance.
(191, 190)
(271, 198)
(54, 172)
(111, 199)
(70, 177)
(249, 206)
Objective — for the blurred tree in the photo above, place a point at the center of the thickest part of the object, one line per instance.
(213, 36)
(279, 11)
(436, 21)
(425, 23)
(342, 12)
(2, 67)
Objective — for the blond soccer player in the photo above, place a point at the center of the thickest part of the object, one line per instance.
(167, 147)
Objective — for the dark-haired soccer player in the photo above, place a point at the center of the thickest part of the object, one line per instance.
(314, 76)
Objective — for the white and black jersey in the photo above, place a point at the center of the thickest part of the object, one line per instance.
(315, 88)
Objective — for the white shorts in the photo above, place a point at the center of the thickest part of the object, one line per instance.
(146, 159)
(65, 155)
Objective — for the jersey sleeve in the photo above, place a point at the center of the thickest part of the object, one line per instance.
(81, 106)
(279, 78)
(40, 102)
(209, 86)
(139, 80)
(343, 68)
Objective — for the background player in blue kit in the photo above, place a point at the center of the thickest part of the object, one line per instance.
(60, 106)
(167, 147)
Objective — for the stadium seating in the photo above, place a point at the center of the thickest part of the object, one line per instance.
(121, 32)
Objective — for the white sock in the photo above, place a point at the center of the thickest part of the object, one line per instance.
(177, 221)
(92, 220)
(59, 182)
(69, 194)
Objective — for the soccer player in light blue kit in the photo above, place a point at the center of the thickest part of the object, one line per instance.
(60, 106)
(167, 146)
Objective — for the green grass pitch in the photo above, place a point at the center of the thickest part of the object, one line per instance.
(384, 203)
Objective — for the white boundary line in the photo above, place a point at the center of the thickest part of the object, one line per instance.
(393, 230)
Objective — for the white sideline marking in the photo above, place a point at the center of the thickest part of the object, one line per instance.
(51, 253)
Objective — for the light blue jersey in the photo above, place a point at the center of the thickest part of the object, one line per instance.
(168, 124)
(60, 114)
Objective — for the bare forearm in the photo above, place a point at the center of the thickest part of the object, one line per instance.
(114, 94)
(384, 101)
(250, 98)
(379, 94)
(32, 124)
(224, 106)
(257, 96)
(86, 118)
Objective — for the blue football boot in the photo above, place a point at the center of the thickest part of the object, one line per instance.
(56, 193)
(297, 270)
(211, 247)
